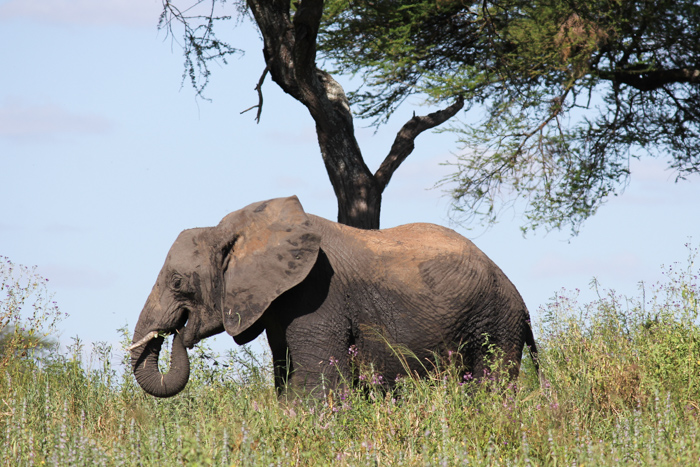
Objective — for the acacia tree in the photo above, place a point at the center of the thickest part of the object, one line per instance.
(569, 91)
(290, 33)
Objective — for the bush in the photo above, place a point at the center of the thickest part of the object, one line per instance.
(28, 315)
(615, 354)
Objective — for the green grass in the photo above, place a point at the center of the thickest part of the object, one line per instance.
(620, 387)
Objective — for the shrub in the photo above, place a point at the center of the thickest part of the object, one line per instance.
(28, 315)
(615, 354)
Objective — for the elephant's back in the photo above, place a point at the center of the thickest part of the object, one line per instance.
(406, 250)
(430, 239)
(444, 257)
(421, 255)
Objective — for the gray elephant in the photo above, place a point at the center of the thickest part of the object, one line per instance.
(319, 288)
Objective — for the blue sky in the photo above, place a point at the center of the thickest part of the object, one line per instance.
(105, 158)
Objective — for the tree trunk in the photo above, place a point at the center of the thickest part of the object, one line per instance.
(356, 189)
(290, 55)
(289, 31)
(359, 203)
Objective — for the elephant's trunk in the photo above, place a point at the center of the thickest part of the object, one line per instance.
(144, 361)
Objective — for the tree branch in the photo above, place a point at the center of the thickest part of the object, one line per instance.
(306, 22)
(290, 54)
(649, 80)
(273, 20)
(404, 143)
(260, 96)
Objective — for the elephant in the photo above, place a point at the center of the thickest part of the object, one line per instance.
(319, 288)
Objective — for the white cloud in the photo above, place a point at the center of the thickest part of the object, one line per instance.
(291, 183)
(81, 278)
(22, 121)
(653, 183)
(619, 265)
(285, 137)
(60, 228)
(650, 170)
(135, 13)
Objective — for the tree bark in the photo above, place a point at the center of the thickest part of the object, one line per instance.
(649, 80)
(290, 55)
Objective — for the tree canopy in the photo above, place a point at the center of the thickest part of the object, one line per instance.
(567, 91)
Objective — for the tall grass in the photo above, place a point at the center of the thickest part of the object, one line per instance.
(620, 386)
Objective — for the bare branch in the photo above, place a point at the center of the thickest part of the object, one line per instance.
(200, 43)
(404, 143)
(260, 96)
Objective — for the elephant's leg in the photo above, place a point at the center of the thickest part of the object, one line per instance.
(511, 348)
(281, 361)
(476, 364)
(318, 373)
(319, 357)
(308, 357)
(282, 369)
(498, 360)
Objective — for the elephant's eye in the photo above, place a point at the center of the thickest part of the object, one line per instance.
(176, 282)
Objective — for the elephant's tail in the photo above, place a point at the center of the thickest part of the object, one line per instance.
(530, 343)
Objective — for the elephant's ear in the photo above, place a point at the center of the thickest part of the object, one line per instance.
(273, 248)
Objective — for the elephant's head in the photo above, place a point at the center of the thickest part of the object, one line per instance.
(217, 278)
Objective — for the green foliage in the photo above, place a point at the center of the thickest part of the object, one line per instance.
(569, 90)
(400, 48)
(618, 355)
(28, 315)
(619, 388)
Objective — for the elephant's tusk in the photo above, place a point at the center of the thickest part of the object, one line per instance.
(148, 337)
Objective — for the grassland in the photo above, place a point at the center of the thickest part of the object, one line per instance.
(620, 386)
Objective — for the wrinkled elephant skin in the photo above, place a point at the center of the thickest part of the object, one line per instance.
(317, 288)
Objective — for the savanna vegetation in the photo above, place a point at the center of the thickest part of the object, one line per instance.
(619, 386)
